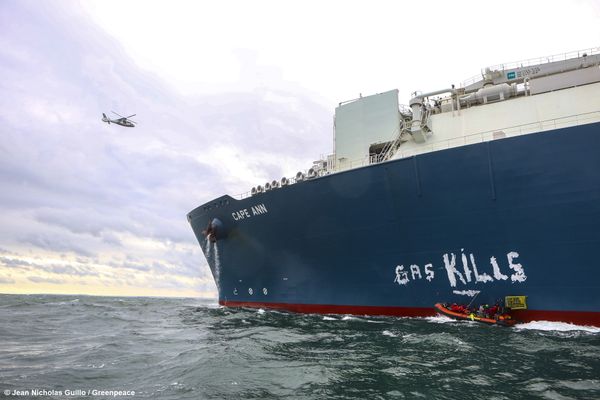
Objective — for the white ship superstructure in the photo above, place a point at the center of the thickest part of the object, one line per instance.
(507, 100)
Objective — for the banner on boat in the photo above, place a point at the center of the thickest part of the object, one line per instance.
(516, 302)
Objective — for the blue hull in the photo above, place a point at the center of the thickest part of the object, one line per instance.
(518, 216)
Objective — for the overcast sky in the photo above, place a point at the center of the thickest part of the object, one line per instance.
(227, 95)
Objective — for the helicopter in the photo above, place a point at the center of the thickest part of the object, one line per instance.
(123, 121)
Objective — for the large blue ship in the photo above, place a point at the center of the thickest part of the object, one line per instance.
(474, 193)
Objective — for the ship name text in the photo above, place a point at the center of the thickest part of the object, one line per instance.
(255, 210)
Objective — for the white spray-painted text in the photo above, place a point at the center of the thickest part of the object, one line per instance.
(464, 274)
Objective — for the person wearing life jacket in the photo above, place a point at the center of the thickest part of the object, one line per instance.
(459, 308)
(481, 311)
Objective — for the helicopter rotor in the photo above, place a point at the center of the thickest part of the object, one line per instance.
(126, 118)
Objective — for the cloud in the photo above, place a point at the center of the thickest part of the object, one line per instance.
(15, 263)
(6, 281)
(38, 279)
(129, 264)
(55, 244)
(39, 266)
(111, 239)
(71, 270)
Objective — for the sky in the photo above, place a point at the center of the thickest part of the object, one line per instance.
(228, 95)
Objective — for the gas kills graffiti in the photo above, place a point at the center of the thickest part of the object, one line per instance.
(466, 273)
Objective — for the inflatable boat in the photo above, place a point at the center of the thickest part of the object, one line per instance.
(459, 312)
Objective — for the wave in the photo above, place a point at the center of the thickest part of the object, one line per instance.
(552, 326)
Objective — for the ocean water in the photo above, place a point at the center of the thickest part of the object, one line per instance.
(153, 348)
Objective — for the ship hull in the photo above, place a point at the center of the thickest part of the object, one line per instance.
(517, 216)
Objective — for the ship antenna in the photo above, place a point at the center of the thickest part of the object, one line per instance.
(469, 305)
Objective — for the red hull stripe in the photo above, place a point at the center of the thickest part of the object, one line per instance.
(575, 317)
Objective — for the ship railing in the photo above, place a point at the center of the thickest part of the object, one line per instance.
(291, 181)
(501, 133)
(533, 61)
(478, 137)
(390, 148)
(242, 196)
(483, 136)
